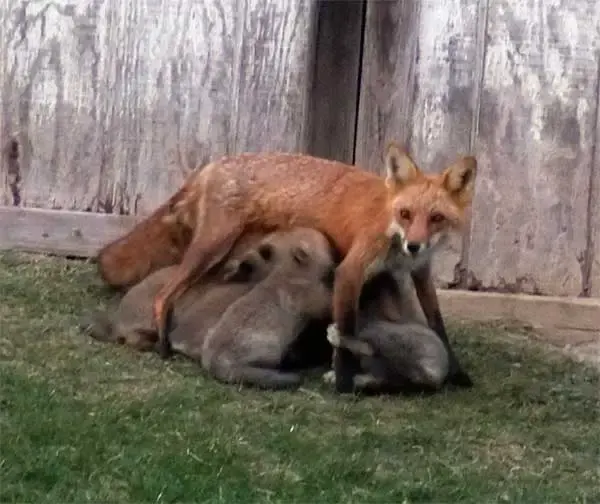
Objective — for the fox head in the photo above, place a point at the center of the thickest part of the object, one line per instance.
(426, 207)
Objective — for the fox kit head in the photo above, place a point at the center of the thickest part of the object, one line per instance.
(310, 251)
(252, 267)
(426, 207)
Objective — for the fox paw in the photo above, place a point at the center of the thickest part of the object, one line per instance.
(333, 335)
(329, 377)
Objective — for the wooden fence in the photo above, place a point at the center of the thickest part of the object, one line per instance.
(106, 106)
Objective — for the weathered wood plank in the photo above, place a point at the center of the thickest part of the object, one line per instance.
(535, 144)
(71, 233)
(274, 75)
(169, 71)
(387, 78)
(420, 86)
(335, 84)
(107, 96)
(112, 102)
(593, 289)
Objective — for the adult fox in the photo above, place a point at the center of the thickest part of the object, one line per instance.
(359, 211)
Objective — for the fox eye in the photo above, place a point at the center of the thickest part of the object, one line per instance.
(436, 218)
(405, 214)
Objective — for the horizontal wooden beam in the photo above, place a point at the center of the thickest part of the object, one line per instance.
(567, 322)
(60, 232)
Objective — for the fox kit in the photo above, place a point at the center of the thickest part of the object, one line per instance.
(132, 323)
(395, 356)
(357, 210)
(252, 338)
(396, 350)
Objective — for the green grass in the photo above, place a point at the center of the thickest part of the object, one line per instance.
(82, 421)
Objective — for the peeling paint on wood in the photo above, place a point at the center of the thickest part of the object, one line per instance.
(420, 79)
(114, 102)
(535, 146)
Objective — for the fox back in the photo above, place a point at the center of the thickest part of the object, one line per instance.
(270, 191)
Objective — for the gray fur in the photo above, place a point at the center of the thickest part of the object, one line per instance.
(250, 341)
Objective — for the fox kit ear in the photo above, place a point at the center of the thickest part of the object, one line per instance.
(300, 255)
(459, 180)
(238, 271)
(399, 167)
(266, 251)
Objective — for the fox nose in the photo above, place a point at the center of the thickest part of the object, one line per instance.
(413, 247)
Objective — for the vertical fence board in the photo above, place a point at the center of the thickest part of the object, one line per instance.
(535, 144)
(50, 102)
(169, 69)
(594, 206)
(276, 54)
(387, 78)
(425, 95)
(335, 84)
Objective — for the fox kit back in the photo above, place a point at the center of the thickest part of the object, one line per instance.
(131, 322)
(250, 342)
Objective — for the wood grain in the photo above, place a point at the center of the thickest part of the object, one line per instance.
(535, 146)
(334, 93)
(593, 266)
(421, 76)
(274, 75)
(387, 78)
(111, 103)
(60, 232)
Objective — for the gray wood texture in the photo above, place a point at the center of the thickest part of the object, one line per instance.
(420, 84)
(111, 103)
(594, 209)
(334, 94)
(535, 146)
(276, 46)
(60, 232)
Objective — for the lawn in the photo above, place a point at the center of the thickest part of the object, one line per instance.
(82, 421)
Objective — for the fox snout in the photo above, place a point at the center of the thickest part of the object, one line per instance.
(413, 248)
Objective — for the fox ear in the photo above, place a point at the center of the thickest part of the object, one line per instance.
(459, 180)
(399, 167)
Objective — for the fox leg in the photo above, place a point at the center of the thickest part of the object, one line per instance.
(356, 346)
(211, 243)
(349, 279)
(428, 299)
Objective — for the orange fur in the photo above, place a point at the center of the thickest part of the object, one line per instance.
(156, 242)
(357, 210)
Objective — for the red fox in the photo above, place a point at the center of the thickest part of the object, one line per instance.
(357, 210)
